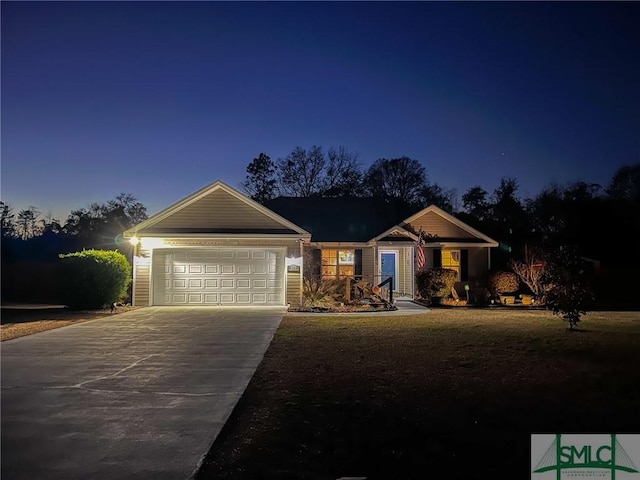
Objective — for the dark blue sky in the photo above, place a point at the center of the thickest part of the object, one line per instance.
(161, 98)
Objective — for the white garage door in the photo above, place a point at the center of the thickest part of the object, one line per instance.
(221, 276)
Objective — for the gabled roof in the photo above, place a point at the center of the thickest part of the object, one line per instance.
(216, 209)
(396, 233)
(462, 226)
(341, 219)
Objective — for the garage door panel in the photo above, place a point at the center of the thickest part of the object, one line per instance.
(228, 276)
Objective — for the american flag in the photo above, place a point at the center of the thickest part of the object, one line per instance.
(421, 259)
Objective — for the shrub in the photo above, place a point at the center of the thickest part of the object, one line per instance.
(503, 282)
(569, 292)
(93, 278)
(435, 282)
(319, 292)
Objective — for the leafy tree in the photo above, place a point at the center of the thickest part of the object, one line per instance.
(26, 225)
(7, 224)
(94, 278)
(402, 178)
(508, 213)
(131, 211)
(569, 290)
(434, 194)
(475, 201)
(546, 215)
(103, 222)
(260, 182)
(625, 184)
(301, 173)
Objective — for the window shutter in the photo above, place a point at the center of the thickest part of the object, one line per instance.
(316, 262)
(464, 265)
(357, 269)
(437, 258)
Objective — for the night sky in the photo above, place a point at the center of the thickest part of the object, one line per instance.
(161, 99)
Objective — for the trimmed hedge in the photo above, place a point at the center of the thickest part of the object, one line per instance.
(435, 282)
(503, 282)
(93, 278)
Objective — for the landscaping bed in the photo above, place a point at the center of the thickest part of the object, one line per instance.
(447, 394)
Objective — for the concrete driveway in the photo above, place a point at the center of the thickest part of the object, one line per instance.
(140, 395)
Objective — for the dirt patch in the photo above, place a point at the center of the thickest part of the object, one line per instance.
(15, 322)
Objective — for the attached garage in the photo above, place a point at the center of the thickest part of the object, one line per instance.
(217, 247)
(220, 276)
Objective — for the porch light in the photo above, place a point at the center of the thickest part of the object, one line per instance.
(134, 240)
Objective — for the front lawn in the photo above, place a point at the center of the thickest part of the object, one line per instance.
(20, 322)
(446, 394)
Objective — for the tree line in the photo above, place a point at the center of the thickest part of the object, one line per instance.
(28, 236)
(338, 172)
(601, 223)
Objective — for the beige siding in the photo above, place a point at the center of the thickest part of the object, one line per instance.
(404, 286)
(434, 224)
(293, 289)
(368, 263)
(219, 209)
(141, 291)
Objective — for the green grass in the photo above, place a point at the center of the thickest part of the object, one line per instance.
(451, 392)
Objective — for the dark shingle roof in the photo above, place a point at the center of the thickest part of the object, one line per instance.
(341, 219)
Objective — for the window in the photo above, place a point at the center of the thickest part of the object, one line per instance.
(338, 263)
(451, 260)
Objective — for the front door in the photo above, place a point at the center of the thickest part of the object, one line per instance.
(389, 266)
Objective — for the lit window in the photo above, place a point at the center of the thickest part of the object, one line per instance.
(338, 263)
(451, 260)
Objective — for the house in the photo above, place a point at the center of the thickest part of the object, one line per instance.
(219, 247)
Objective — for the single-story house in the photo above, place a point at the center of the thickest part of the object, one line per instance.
(219, 247)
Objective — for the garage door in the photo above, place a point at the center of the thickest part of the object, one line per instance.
(223, 276)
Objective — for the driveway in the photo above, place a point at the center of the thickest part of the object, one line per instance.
(140, 395)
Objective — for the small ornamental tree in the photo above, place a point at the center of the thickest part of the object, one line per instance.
(569, 287)
(503, 282)
(93, 278)
(530, 270)
(435, 282)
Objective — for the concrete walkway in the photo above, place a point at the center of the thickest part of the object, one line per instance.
(141, 395)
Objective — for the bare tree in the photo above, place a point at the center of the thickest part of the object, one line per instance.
(343, 174)
(403, 178)
(531, 269)
(301, 173)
